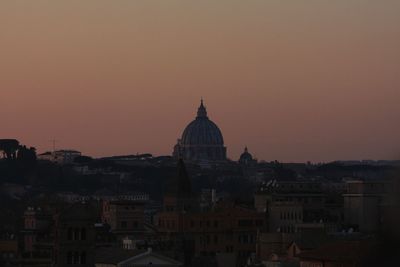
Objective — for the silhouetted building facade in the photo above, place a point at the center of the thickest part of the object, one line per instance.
(125, 217)
(225, 228)
(363, 203)
(75, 236)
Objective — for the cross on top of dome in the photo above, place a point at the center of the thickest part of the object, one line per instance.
(202, 112)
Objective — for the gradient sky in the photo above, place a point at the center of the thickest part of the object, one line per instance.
(294, 80)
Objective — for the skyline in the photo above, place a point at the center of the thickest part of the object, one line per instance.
(305, 81)
(54, 146)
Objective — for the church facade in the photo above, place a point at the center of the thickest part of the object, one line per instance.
(201, 140)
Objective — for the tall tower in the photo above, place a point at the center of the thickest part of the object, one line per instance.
(178, 196)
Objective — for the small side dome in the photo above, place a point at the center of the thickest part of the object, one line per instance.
(246, 158)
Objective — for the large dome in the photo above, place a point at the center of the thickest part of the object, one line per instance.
(201, 139)
(202, 131)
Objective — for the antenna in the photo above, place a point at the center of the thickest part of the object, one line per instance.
(54, 141)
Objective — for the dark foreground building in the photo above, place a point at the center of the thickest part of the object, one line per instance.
(225, 230)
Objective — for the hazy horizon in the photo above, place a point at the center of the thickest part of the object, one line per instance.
(295, 81)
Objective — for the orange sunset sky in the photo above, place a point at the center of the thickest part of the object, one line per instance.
(294, 80)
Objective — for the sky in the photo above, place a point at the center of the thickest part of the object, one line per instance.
(294, 80)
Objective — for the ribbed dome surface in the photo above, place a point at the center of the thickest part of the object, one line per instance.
(202, 131)
(201, 140)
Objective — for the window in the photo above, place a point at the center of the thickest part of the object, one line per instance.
(243, 239)
(83, 234)
(229, 248)
(123, 224)
(83, 258)
(76, 258)
(76, 234)
(69, 257)
(216, 224)
(70, 233)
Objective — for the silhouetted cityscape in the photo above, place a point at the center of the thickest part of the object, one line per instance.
(227, 133)
(195, 207)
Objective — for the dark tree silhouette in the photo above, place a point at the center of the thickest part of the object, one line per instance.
(9, 148)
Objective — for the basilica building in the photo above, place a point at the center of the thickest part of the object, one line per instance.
(201, 140)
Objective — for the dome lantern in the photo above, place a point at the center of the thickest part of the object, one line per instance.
(202, 111)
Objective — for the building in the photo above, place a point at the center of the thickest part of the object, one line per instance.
(65, 156)
(272, 247)
(179, 196)
(225, 228)
(284, 216)
(337, 254)
(48, 156)
(201, 140)
(363, 204)
(208, 198)
(125, 217)
(75, 236)
(37, 233)
(8, 250)
(115, 257)
(308, 194)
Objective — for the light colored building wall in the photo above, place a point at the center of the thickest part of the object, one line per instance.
(283, 216)
(362, 204)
